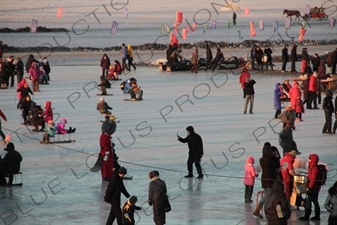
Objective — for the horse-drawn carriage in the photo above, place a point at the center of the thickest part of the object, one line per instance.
(317, 13)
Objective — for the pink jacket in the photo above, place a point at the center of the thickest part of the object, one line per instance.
(60, 127)
(250, 174)
(34, 73)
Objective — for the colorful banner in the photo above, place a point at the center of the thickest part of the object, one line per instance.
(205, 28)
(301, 34)
(175, 25)
(164, 28)
(33, 26)
(184, 34)
(187, 29)
(213, 25)
(179, 17)
(275, 26)
(307, 9)
(261, 25)
(114, 27)
(59, 12)
(126, 13)
(173, 39)
(239, 33)
(194, 25)
(230, 24)
(252, 29)
(246, 12)
(288, 23)
(332, 22)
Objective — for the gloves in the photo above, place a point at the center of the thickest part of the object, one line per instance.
(309, 191)
(106, 156)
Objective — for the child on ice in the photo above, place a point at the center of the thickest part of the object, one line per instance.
(128, 211)
(249, 179)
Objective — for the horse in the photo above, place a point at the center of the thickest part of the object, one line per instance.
(292, 13)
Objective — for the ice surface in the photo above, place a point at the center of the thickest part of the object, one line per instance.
(59, 189)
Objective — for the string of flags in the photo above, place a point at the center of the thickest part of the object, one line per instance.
(114, 27)
(301, 34)
(332, 22)
(239, 33)
(164, 28)
(275, 26)
(59, 12)
(261, 25)
(213, 25)
(252, 29)
(230, 24)
(33, 26)
(246, 12)
(126, 13)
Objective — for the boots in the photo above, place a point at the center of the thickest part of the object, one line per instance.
(257, 211)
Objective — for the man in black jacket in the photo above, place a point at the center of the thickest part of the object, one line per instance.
(285, 58)
(209, 57)
(10, 163)
(195, 153)
(293, 58)
(113, 196)
(249, 93)
(328, 111)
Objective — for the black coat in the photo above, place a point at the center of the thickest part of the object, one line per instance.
(157, 193)
(328, 105)
(268, 52)
(293, 55)
(268, 166)
(114, 190)
(195, 145)
(11, 162)
(334, 56)
(285, 55)
(25, 105)
(315, 63)
(46, 67)
(258, 54)
(128, 213)
(249, 87)
(19, 67)
(305, 55)
(25, 92)
(209, 54)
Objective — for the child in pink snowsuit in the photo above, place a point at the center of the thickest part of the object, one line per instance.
(249, 179)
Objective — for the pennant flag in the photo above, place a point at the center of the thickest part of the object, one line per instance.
(183, 33)
(304, 24)
(187, 29)
(59, 12)
(288, 23)
(114, 27)
(175, 25)
(275, 26)
(179, 17)
(261, 25)
(173, 39)
(213, 25)
(194, 25)
(33, 26)
(205, 28)
(252, 29)
(230, 24)
(332, 22)
(164, 28)
(126, 13)
(246, 12)
(239, 33)
(307, 9)
(301, 34)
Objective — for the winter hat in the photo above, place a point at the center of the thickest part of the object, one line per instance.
(190, 129)
(101, 99)
(10, 147)
(122, 170)
(133, 199)
(109, 127)
(153, 174)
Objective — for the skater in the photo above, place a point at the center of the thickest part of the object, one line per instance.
(328, 111)
(50, 132)
(195, 153)
(249, 179)
(277, 208)
(60, 127)
(2, 115)
(249, 93)
(130, 58)
(277, 100)
(209, 57)
(157, 193)
(113, 196)
(313, 188)
(269, 167)
(285, 58)
(103, 107)
(9, 164)
(105, 63)
(242, 79)
(331, 204)
(128, 211)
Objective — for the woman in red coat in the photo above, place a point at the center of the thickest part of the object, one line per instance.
(243, 78)
(48, 112)
(296, 101)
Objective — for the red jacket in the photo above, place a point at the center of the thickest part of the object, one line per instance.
(313, 83)
(243, 77)
(48, 112)
(107, 166)
(285, 173)
(313, 172)
(295, 99)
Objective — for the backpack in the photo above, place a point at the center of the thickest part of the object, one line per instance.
(122, 85)
(323, 174)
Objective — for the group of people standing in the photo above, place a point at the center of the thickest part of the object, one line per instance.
(261, 58)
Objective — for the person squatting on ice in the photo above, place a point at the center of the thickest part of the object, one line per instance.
(195, 153)
(157, 193)
(249, 179)
(10, 163)
(113, 196)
